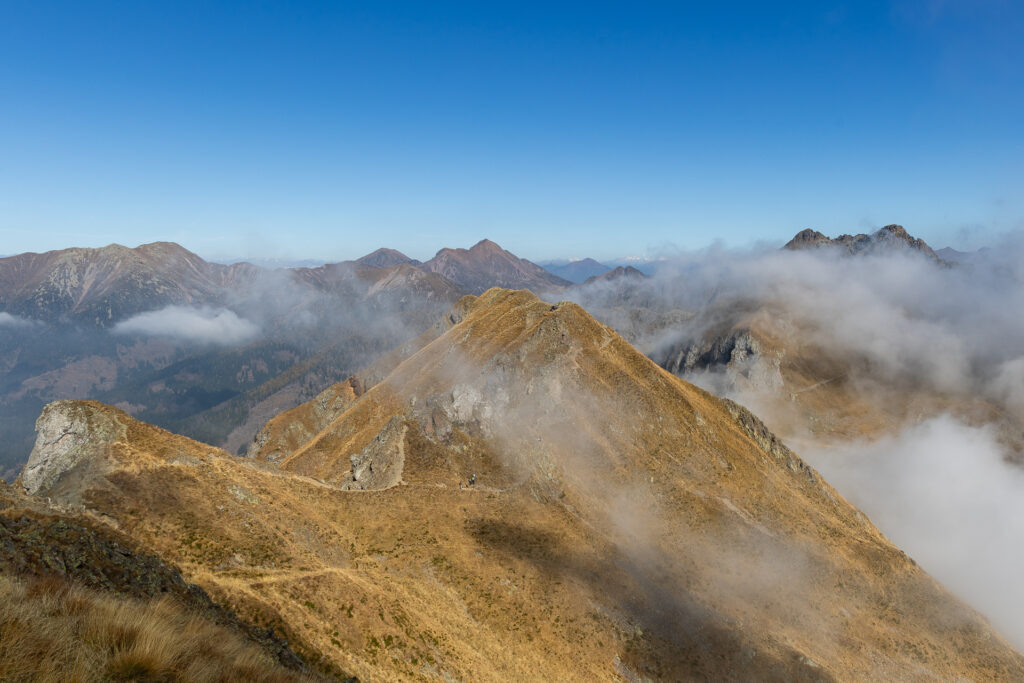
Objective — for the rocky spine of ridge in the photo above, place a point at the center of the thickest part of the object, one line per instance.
(886, 239)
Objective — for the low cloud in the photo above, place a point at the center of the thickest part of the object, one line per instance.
(942, 492)
(200, 325)
(902, 317)
(897, 327)
(8, 320)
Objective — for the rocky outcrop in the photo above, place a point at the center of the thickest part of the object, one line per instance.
(379, 465)
(743, 358)
(68, 433)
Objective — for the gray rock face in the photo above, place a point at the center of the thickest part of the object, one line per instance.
(68, 432)
(746, 364)
(380, 464)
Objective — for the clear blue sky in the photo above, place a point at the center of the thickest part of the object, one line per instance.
(556, 129)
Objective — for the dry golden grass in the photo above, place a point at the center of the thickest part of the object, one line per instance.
(52, 630)
(625, 525)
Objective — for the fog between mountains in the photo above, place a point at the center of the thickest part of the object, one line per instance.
(943, 493)
(942, 490)
(203, 325)
(278, 305)
(955, 329)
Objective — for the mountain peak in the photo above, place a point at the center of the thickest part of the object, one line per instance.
(888, 238)
(385, 258)
(486, 245)
(487, 265)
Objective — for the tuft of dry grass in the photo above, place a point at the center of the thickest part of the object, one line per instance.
(53, 630)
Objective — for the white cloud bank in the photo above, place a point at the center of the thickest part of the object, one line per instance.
(942, 492)
(202, 325)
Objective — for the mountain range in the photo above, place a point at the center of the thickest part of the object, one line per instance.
(213, 350)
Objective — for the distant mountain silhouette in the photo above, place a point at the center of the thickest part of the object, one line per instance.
(576, 271)
(385, 258)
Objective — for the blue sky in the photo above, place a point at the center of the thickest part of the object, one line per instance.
(308, 130)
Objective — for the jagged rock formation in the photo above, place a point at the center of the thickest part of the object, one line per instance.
(891, 237)
(624, 524)
(487, 265)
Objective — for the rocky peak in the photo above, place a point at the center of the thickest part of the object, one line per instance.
(889, 238)
(807, 238)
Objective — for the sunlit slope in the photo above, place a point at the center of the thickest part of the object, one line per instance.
(624, 524)
(80, 601)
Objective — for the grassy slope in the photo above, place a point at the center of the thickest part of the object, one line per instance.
(626, 524)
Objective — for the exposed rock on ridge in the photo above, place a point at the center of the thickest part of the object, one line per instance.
(68, 432)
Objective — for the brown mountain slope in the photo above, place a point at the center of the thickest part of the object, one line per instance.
(487, 265)
(625, 524)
